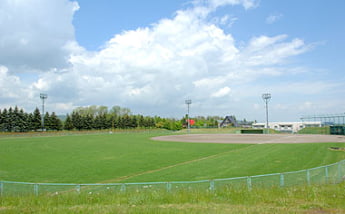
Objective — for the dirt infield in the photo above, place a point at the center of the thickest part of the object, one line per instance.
(251, 138)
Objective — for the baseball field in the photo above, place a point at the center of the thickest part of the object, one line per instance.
(160, 156)
(149, 156)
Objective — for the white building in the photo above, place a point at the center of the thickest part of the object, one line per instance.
(287, 126)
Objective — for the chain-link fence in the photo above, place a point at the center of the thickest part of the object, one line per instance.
(333, 173)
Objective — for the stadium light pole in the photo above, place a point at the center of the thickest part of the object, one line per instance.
(188, 102)
(266, 97)
(43, 97)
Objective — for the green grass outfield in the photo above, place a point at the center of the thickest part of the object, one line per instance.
(133, 157)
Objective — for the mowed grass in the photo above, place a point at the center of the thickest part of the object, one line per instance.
(133, 157)
(93, 158)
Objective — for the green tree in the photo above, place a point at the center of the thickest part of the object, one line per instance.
(7, 120)
(149, 122)
(36, 120)
(23, 121)
(29, 120)
(77, 120)
(100, 121)
(87, 122)
(117, 110)
(141, 121)
(127, 121)
(11, 120)
(112, 121)
(102, 110)
(68, 123)
(133, 122)
(47, 121)
(2, 119)
(55, 122)
(15, 120)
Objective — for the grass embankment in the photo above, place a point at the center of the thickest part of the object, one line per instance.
(133, 157)
(315, 130)
(301, 199)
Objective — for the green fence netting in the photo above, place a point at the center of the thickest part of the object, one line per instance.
(329, 174)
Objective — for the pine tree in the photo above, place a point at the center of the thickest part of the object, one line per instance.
(47, 121)
(1, 120)
(36, 120)
(77, 120)
(141, 121)
(10, 121)
(23, 126)
(68, 123)
(97, 122)
(6, 120)
(21, 120)
(55, 122)
(133, 122)
(102, 121)
(15, 120)
(121, 122)
(29, 118)
(87, 122)
(113, 121)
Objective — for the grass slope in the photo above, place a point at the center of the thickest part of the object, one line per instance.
(302, 199)
(315, 130)
(133, 157)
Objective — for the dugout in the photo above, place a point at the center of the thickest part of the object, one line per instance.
(337, 130)
(252, 131)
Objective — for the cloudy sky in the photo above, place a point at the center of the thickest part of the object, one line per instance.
(150, 56)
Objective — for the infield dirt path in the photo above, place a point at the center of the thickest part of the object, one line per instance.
(251, 138)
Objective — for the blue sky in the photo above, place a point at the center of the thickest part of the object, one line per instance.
(151, 55)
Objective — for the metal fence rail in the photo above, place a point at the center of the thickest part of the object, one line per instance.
(333, 173)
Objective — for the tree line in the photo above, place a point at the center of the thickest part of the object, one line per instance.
(16, 120)
(98, 117)
(91, 118)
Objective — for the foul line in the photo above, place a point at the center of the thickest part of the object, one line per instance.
(171, 166)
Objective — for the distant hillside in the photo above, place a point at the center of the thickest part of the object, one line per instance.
(62, 117)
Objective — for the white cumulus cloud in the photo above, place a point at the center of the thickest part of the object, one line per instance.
(34, 33)
(150, 69)
(221, 92)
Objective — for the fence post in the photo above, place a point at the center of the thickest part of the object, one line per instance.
(212, 185)
(249, 183)
(36, 189)
(123, 187)
(1, 188)
(78, 188)
(326, 174)
(281, 180)
(168, 186)
(339, 171)
(308, 176)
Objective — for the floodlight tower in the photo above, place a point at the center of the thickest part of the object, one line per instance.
(43, 97)
(266, 97)
(188, 102)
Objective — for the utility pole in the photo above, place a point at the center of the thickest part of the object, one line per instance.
(266, 97)
(43, 97)
(188, 102)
